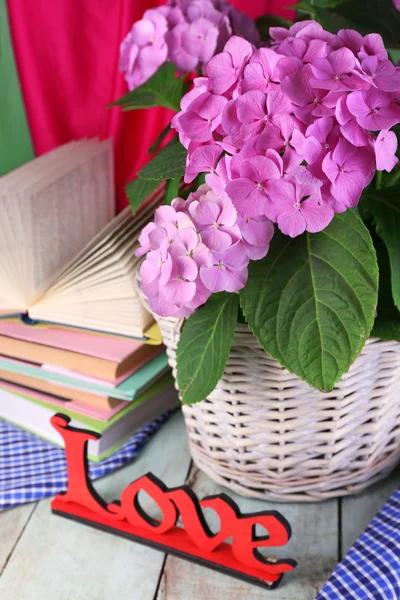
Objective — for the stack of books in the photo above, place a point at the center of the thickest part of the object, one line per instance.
(74, 336)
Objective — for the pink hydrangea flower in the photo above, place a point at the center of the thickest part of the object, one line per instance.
(374, 110)
(385, 150)
(261, 72)
(296, 204)
(227, 271)
(186, 32)
(336, 72)
(249, 192)
(144, 49)
(256, 236)
(225, 69)
(350, 170)
(290, 134)
(215, 218)
(202, 117)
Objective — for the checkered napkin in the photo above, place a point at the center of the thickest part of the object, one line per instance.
(31, 469)
(371, 568)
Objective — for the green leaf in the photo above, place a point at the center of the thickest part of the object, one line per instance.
(204, 346)
(138, 190)
(169, 163)
(384, 206)
(171, 189)
(329, 19)
(160, 139)
(311, 301)
(387, 322)
(264, 23)
(331, 3)
(365, 16)
(372, 16)
(162, 89)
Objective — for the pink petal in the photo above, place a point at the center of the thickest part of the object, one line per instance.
(213, 107)
(239, 189)
(373, 45)
(270, 138)
(330, 167)
(251, 106)
(239, 49)
(166, 270)
(203, 160)
(213, 278)
(318, 214)
(142, 31)
(342, 113)
(260, 169)
(178, 292)
(257, 232)
(348, 188)
(343, 152)
(351, 39)
(215, 239)
(149, 269)
(342, 61)
(253, 78)
(207, 213)
(357, 105)
(320, 129)
(355, 134)
(219, 279)
(229, 116)
(188, 237)
(228, 214)
(322, 69)
(292, 222)
(220, 69)
(195, 127)
(276, 159)
(165, 214)
(278, 103)
(296, 88)
(316, 49)
(187, 268)
(311, 150)
(385, 150)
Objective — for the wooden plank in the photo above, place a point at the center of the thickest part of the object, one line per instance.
(359, 510)
(12, 524)
(314, 545)
(58, 559)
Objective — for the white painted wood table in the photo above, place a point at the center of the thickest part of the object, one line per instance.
(45, 557)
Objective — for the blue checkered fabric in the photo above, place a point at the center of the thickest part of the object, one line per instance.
(371, 568)
(32, 469)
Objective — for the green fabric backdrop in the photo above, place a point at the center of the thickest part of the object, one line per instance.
(15, 141)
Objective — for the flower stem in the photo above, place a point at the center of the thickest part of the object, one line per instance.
(394, 178)
(378, 180)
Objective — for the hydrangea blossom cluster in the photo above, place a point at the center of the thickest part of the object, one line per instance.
(296, 131)
(289, 134)
(186, 32)
(197, 247)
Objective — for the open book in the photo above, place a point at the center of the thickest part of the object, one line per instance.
(63, 257)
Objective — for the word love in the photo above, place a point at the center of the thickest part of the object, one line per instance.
(194, 540)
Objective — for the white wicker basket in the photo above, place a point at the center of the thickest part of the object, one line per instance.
(265, 433)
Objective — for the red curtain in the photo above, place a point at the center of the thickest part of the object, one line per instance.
(67, 59)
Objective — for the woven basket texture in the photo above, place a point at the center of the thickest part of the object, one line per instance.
(264, 433)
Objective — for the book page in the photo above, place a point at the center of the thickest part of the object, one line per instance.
(100, 292)
(55, 205)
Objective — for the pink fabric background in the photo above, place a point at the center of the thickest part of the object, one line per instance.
(67, 58)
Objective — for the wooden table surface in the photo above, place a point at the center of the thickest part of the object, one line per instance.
(45, 557)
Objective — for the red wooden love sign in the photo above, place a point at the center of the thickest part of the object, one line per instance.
(194, 541)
